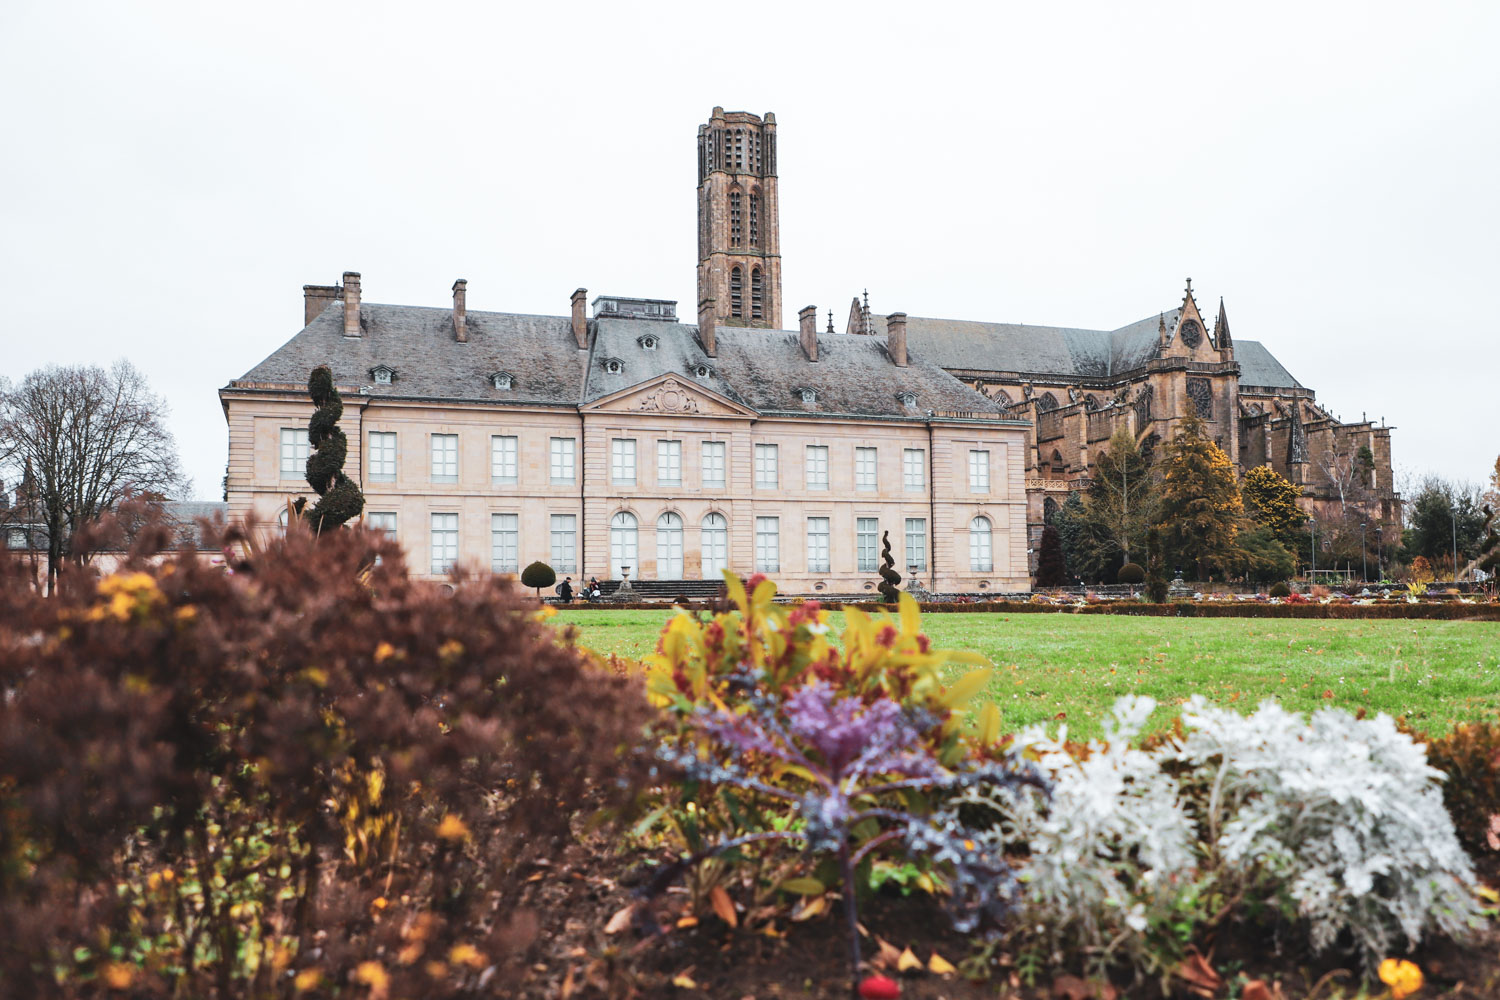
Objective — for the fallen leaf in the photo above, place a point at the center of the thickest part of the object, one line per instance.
(810, 908)
(1487, 894)
(683, 981)
(686, 922)
(908, 962)
(889, 954)
(723, 906)
(566, 990)
(1198, 974)
(1071, 988)
(940, 965)
(620, 920)
(1256, 989)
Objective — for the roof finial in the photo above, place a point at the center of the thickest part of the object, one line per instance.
(830, 321)
(864, 318)
(1190, 286)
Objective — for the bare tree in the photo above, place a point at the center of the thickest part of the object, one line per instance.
(1346, 467)
(89, 438)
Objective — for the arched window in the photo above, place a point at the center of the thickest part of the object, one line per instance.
(282, 519)
(622, 545)
(981, 558)
(734, 218)
(755, 218)
(1049, 510)
(715, 546)
(1002, 397)
(1091, 402)
(1046, 402)
(757, 294)
(1058, 465)
(669, 547)
(737, 292)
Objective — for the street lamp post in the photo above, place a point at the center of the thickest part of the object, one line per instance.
(1453, 514)
(1312, 526)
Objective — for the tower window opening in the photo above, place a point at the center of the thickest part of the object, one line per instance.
(755, 220)
(757, 294)
(737, 292)
(734, 218)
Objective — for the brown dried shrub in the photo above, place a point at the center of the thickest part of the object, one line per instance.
(304, 775)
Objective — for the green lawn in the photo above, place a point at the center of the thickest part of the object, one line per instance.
(1433, 673)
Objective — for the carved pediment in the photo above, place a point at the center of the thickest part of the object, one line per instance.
(671, 395)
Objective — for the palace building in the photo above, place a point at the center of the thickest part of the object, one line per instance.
(622, 441)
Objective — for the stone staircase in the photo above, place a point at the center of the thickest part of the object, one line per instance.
(665, 590)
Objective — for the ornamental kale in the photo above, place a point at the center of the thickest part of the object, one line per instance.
(869, 771)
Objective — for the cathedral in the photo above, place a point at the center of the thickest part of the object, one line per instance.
(627, 443)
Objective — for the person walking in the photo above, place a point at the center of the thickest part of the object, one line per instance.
(565, 590)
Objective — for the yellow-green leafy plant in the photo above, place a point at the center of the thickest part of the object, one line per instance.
(759, 650)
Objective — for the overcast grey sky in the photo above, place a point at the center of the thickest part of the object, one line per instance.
(172, 174)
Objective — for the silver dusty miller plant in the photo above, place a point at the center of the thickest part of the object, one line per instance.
(1337, 821)
(864, 758)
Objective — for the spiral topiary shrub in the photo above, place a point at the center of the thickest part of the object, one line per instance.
(537, 576)
(341, 500)
(890, 580)
(1131, 573)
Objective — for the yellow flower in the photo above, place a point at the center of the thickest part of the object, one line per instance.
(453, 828)
(117, 975)
(467, 954)
(1403, 977)
(373, 975)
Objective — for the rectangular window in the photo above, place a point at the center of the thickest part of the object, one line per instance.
(914, 470)
(669, 463)
(622, 461)
(383, 521)
(294, 450)
(817, 545)
(864, 468)
(444, 542)
(979, 472)
(981, 559)
(765, 467)
(382, 456)
(867, 543)
(445, 458)
(713, 464)
(503, 454)
(768, 544)
(564, 459)
(565, 543)
(916, 542)
(817, 467)
(505, 543)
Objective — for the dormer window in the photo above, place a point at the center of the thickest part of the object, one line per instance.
(648, 343)
(614, 366)
(702, 371)
(382, 374)
(809, 396)
(907, 399)
(503, 380)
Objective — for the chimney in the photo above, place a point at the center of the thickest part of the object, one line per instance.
(808, 316)
(580, 318)
(895, 341)
(315, 299)
(706, 330)
(351, 304)
(460, 311)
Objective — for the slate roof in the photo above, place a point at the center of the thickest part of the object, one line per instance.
(417, 343)
(1064, 351)
(766, 371)
(761, 369)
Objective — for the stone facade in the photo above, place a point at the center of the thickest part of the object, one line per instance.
(739, 220)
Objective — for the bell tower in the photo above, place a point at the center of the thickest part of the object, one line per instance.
(739, 232)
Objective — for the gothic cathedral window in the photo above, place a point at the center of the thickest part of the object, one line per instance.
(736, 292)
(734, 218)
(755, 219)
(757, 294)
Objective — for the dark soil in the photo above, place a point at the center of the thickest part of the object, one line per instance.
(575, 897)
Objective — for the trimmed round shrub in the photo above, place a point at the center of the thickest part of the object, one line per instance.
(537, 576)
(1280, 589)
(1131, 573)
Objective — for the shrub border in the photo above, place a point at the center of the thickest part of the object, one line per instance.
(1179, 609)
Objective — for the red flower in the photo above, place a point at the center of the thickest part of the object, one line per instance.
(879, 988)
(754, 582)
(887, 636)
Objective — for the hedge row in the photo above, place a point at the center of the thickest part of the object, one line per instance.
(1185, 609)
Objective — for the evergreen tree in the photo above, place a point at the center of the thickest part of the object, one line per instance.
(340, 499)
(1156, 574)
(1271, 500)
(1051, 570)
(889, 578)
(1088, 553)
(1122, 494)
(1200, 508)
